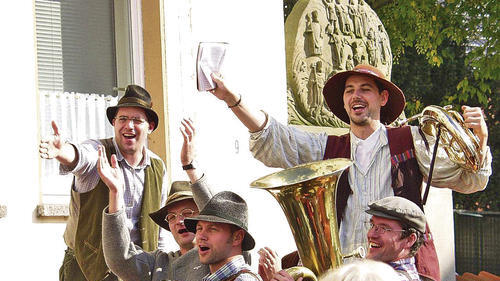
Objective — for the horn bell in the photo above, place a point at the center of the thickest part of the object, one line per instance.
(307, 194)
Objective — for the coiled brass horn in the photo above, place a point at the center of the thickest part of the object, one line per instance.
(307, 193)
(460, 144)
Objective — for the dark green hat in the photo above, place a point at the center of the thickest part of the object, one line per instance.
(400, 209)
(225, 207)
(135, 96)
(180, 190)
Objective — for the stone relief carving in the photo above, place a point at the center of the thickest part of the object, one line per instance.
(324, 37)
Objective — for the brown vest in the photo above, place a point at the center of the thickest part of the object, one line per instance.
(88, 242)
(406, 182)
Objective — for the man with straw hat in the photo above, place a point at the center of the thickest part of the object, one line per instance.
(387, 161)
(133, 119)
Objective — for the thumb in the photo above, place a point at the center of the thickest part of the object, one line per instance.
(216, 77)
(465, 107)
(55, 128)
(114, 161)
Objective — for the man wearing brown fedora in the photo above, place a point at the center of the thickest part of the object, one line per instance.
(387, 161)
(396, 232)
(133, 119)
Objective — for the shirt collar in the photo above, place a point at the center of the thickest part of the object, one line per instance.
(146, 161)
(406, 261)
(230, 268)
(381, 132)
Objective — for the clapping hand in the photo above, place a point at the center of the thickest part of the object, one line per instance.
(112, 176)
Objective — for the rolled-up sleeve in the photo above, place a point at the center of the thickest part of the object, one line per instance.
(280, 146)
(447, 173)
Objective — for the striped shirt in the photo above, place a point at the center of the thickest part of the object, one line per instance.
(87, 177)
(369, 177)
(232, 267)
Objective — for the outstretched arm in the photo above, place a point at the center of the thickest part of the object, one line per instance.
(253, 119)
(112, 176)
(54, 147)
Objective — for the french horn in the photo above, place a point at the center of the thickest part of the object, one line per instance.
(306, 194)
(458, 141)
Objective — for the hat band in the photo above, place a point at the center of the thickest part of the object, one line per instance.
(223, 216)
(134, 100)
(367, 71)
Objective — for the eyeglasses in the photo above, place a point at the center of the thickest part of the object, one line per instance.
(380, 229)
(125, 119)
(186, 213)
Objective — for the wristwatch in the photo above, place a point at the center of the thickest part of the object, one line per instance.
(189, 166)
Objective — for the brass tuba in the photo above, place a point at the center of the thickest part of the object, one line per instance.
(307, 193)
(460, 144)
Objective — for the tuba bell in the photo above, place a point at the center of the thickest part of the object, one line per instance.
(458, 141)
(307, 194)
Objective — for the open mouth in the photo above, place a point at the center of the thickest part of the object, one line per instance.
(203, 249)
(128, 136)
(374, 245)
(358, 107)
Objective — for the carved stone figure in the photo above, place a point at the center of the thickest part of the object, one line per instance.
(384, 45)
(314, 33)
(316, 83)
(371, 46)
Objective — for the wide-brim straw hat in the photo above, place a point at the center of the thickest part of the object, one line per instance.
(333, 91)
(135, 96)
(225, 207)
(180, 190)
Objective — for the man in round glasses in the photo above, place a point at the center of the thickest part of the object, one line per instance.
(180, 205)
(396, 232)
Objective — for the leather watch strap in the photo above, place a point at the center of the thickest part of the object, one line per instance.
(189, 166)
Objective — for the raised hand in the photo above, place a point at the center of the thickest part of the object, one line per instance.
(51, 148)
(188, 132)
(222, 92)
(112, 176)
(474, 119)
(269, 263)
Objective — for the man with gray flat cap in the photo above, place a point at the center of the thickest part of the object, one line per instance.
(222, 235)
(396, 232)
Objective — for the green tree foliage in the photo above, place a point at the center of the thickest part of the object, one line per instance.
(427, 25)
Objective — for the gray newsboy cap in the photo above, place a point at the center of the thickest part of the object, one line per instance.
(400, 209)
(225, 207)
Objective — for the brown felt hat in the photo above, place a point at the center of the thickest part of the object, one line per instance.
(333, 91)
(400, 209)
(135, 96)
(225, 207)
(180, 190)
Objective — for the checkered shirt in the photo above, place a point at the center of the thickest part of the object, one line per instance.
(234, 266)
